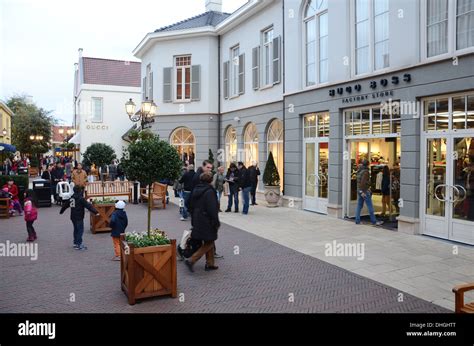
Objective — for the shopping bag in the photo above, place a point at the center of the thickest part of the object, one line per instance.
(226, 189)
(184, 239)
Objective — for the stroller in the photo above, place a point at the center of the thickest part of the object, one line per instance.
(187, 246)
(64, 191)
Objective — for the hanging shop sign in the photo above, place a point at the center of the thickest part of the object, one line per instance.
(373, 85)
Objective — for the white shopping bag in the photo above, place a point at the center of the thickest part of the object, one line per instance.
(184, 239)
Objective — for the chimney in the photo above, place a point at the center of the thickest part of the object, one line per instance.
(80, 52)
(214, 5)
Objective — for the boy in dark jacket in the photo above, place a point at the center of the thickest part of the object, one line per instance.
(205, 221)
(118, 223)
(78, 203)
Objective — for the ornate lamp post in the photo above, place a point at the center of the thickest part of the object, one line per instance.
(145, 114)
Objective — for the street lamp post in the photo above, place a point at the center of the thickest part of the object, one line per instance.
(145, 114)
(37, 138)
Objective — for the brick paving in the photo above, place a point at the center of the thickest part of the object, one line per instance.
(261, 278)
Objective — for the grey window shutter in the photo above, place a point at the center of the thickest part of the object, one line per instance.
(144, 89)
(167, 88)
(226, 79)
(195, 82)
(150, 97)
(276, 59)
(241, 73)
(256, 68)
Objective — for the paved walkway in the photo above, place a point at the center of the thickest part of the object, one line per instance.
(263, 277)
(423, 266)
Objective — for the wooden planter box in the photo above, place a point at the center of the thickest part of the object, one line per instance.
(101, 223)
(149, 271)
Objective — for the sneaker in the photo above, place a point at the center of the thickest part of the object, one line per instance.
(378, 223)
(216, 255)
(182, 218)
(75, 246)
(209, 268)
(81, 248)
(189, 265)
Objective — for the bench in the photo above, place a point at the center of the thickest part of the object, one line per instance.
(460, 307)
(109, 189)
(158, 194)
(5, 207)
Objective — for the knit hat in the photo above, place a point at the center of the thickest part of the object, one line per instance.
(120, 205)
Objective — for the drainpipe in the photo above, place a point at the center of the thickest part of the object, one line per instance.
(283, 85)
(219, 120)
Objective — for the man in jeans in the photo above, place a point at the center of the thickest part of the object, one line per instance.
(364, 194)
(78, 203)
(246, 186)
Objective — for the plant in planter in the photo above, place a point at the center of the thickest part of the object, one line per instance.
(99, 154)
(148, 261)
(105, 207)
(271, 180)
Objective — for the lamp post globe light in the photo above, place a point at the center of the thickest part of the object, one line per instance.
(145, 114)
(4, 132)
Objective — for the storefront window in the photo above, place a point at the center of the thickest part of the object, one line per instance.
(373, 121)
(447, 113)
(183, 140)
(250, 144)
(316, 125)
(275, 145)
(230, 145)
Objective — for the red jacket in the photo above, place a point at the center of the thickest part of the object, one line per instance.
(13, 190)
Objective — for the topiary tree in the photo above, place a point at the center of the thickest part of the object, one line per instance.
(149, 160)
(271, 177)
(211, 160)
(99, 154)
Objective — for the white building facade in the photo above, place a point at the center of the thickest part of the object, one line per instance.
(101, 89)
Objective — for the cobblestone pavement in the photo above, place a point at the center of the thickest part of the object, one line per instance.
(263, 277)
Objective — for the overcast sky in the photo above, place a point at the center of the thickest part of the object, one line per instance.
(39, 40)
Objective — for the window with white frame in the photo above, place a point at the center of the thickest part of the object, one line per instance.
(183, 77)
(449, 26)
(374, 120)
(97, 110)
(234, 71)
(267, 39)
(230, 145)
(316, 42)
(371, 35)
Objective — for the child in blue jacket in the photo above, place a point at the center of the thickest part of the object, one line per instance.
(118, 223)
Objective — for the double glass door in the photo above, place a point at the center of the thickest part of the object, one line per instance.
(448, 181)
(316, 175)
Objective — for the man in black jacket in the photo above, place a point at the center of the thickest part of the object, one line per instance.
(205, 221)
(187, 181)
(57, 175)
(206, 167)
(254, 172)
(246, 186)
(78, 203)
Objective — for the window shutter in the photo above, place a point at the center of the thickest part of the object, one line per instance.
(256, 68)
(241, 73)
(226, 79)
(150, 96)
(167, 71)
(144, 89)
(195, 82)
(276, 59)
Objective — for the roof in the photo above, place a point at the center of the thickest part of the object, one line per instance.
(111, 72)
(60, 137)
(6, 108)
(209, 18)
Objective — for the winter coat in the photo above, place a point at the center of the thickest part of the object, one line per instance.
(386, 184)
(187, 180)
(31, 213)
(77, 211)
(218, 182)
(244, 180)
(118, 222)
(197, 178)
(79, 178)
(204, 212)
(232, 178)
(254, 172)
(57, 174)
(363, 179)
(13, 190)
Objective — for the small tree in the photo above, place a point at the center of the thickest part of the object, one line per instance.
(271, 177)
(149, 160)
(99, 154)
(211, 160)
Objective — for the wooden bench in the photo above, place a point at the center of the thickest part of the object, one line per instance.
(5, 207)
(158, 194)
(460, 307)
(109, 189)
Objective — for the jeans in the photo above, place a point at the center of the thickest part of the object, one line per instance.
(30, 229)
(184, 210)
(219, 195)
(78, 231)
(246, 198)
(370, 207)
(253, 193)
(233, 195)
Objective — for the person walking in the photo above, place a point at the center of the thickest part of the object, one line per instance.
(364, 193)
(79, 176)
(232, 178)
(118, 223)
(246, 186)
(31, 214)
(77, 203)
(205, 221)
(218, 183)
(187, 181)
(254, 172)
(386, 191)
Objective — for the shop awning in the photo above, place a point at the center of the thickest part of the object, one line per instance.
(7, 147)
(76, 139)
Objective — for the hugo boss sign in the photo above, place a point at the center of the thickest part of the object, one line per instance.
(394, 80)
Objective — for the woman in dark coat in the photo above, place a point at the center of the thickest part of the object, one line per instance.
(205, 221)
(386, 191)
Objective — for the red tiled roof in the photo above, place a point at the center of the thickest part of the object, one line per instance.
(111, 72)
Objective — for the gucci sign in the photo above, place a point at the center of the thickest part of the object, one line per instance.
(97, 127)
